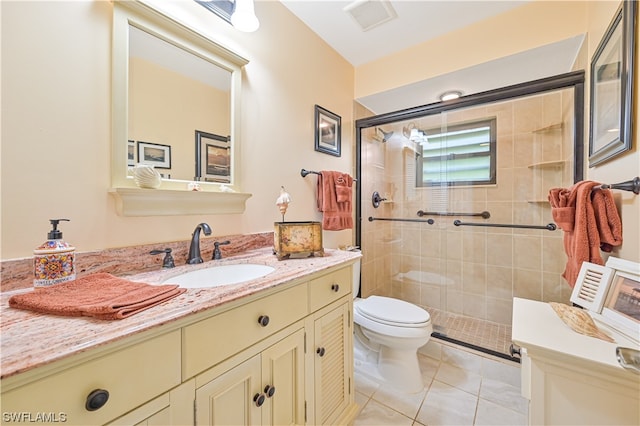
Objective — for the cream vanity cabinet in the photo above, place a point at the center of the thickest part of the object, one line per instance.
(331, 366)
(263, 383)
(281, 356)
(569, 378)
(132, 375)
(300, 374)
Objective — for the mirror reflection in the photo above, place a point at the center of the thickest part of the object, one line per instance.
(173, 96)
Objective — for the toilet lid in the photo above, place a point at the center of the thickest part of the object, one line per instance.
(392, 311)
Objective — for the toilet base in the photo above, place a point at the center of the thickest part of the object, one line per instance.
(401, 369)
(389, 367)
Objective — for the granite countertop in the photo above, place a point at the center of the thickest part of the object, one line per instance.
(29, 340)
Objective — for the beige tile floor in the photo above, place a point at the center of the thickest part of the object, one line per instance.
(462, 387)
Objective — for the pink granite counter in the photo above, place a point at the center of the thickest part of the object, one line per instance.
(29, 340)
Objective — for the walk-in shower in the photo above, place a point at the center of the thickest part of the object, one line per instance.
(462, 223)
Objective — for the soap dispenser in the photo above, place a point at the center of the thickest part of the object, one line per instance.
(53, 260)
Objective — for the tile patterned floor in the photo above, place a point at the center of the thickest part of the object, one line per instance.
(462, 387)
(486, 334)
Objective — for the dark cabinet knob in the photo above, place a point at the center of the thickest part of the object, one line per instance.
(335, 287)
(263, 320)
(96, 399)
(320, 352)
(259, 399)
(269, 391)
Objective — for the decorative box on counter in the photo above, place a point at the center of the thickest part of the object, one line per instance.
(300, 239)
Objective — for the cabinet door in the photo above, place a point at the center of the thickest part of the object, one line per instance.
(332, 371)
(228, 399)
(283, 372)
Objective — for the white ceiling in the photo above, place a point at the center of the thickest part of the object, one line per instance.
(418, 21)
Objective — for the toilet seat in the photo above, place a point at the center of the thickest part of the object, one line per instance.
(392, 312)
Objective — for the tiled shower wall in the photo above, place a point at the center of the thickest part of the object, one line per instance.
(471, 271)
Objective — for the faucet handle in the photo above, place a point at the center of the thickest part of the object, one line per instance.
(217, 254)
(167, 262)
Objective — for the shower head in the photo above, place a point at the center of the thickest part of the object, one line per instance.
(385, 135)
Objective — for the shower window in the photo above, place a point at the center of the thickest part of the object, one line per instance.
(460, 154)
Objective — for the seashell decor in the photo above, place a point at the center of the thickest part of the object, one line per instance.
(283, 201)
(579, 320)
(146, 176)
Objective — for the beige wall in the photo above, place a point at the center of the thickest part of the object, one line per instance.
(56, 125)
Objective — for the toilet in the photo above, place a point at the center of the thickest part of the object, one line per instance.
(387, 335)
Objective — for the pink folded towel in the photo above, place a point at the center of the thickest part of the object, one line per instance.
(100, 295)
(334, 200)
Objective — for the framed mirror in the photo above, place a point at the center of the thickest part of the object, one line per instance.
(612, 76)
(169, 82)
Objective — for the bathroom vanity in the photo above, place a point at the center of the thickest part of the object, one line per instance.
(275, 350)
(570, 378)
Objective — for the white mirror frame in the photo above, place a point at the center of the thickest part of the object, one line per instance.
(173, 197)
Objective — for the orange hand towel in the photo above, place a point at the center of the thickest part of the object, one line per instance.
(334, 200)
(100, 295)
(590, 221)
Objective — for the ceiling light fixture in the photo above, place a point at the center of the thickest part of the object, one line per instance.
(450, 94)
(244, 17)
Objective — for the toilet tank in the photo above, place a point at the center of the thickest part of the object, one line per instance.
(356, 278)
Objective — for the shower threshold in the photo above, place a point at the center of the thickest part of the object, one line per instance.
(480, 335)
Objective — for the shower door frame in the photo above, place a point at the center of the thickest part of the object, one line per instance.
(573, 79)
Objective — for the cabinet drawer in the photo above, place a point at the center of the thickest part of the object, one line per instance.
(329, 288)
(132, 376)
(210, 341)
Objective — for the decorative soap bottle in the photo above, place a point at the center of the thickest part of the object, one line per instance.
(53, 260)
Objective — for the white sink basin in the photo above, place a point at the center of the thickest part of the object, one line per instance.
(220, 275)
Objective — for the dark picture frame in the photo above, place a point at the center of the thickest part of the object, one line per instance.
(131, 153)
(328, 132)
(611, 88)
(213, 157)
(154, 154)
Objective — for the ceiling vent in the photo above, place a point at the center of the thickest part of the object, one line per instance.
(370, 13)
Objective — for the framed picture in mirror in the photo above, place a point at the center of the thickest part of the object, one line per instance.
(612, 74)
(131, 153)
(213, 157)
(154, 154)
(328, 132)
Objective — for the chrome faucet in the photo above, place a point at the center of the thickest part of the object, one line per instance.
(194, 248)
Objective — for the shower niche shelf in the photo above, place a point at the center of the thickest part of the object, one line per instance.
(548, 129)
(548, 164)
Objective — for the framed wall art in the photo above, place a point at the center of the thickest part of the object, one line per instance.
(154, 154)
(213, 157)
(612, 74)
(328, 131)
